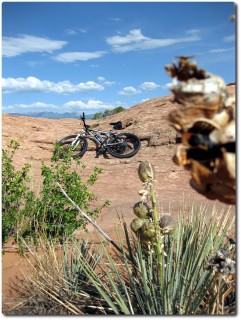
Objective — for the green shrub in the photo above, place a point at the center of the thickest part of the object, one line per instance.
(107, 112)
(54, 213)
(24, 214)
(17, 198)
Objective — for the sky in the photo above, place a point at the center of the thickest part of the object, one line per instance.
(92, 56)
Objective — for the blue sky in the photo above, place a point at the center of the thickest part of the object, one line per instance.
(85, 56)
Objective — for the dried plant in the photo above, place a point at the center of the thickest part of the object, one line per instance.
(205, 122)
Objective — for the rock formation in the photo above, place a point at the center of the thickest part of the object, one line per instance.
(119, 181)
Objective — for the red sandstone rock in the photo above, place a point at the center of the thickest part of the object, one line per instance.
(119, 181)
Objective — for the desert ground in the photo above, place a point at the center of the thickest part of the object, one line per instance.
(119, 180)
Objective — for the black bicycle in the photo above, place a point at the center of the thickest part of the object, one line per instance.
(122, 145)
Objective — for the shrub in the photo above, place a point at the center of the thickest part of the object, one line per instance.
(17, 198)
(57, 216)
(106, 113)
(25, 214)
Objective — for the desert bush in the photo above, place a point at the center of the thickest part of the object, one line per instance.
(17, 198)
(54, 213)
(107, 112)
(25, 214)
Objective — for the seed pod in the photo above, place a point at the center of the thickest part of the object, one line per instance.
(165, 221)
(148, 231)
(136, 224)
(142, 210)
(146, 171)
(166, 224)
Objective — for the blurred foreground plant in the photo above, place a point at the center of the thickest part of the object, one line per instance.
(205, 122)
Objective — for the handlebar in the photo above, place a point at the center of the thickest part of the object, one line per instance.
(83, 119)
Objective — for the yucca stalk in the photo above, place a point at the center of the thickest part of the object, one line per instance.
(158, 236)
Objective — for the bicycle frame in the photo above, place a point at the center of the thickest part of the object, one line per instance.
(90, 133)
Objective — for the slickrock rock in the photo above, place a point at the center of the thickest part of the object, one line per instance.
(119, 181)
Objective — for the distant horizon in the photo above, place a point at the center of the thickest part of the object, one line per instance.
(93, 56)
(79, 112)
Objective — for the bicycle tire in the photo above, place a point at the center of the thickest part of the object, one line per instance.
(67, 141)
(118, 150)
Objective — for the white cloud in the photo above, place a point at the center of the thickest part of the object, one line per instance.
(134, 35)
(82, 30)
(69, 57)
(144, 100)
(74, 31)
(70, 32)
(221, 50)
(128, 91)
(135, 40)
(229, 38)
(15, 46)
(91, 106)
(192, 31)
(31, 106)
(104, 82)
(101, 79)
(167, 86)
(32, 84)
(149, 86)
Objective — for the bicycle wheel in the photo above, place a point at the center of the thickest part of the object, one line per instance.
(78, 146)
(124, 145)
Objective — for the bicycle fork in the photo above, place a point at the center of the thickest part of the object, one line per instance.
(75, 142)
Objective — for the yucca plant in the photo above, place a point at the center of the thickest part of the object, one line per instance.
(85, 279)
(187, 285)
(53, 282)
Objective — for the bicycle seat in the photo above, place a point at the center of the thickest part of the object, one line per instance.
(117, 125)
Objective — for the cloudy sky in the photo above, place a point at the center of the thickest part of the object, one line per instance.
(85, 56)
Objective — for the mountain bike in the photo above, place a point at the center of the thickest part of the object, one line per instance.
(122, 145)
